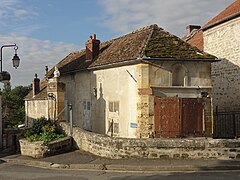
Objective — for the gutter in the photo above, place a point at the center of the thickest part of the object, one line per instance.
(221, 21)
(181, 59)
(139, 60)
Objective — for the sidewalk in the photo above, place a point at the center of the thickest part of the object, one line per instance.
(83, 160)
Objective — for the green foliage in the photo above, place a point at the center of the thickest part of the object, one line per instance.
(13, 104)
(40, 125)
(43, 130)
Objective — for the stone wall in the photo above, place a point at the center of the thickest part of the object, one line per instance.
(10, 139)
(116, 148)
(223, 42)
(37, 149)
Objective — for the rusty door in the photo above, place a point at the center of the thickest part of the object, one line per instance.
(178, 117)
(192, 117)
(167, 117)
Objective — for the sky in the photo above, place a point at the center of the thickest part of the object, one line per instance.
(48, 30)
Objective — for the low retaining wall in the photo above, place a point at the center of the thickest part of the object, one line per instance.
(10, 139)
(37, 149)
(116, 148)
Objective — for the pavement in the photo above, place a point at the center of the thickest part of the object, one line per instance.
(85, 161)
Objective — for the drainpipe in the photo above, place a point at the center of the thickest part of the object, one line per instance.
(26, 116)
(71, 122)
(1, 124)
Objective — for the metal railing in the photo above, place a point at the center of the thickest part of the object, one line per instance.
(226, 124)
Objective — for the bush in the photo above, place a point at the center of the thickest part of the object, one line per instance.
(43, 130)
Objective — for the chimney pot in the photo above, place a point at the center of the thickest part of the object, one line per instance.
(93, 36)
(190, 28)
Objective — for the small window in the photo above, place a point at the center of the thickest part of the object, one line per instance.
(88, 105)
(110, 106)
(114, 106)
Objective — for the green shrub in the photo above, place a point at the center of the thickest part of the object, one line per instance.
(43, 130)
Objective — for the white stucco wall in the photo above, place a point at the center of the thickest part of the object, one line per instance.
(78, 89)
(118, 85)
(36, 109)
(114, 84)
(197, 73)
(223, 41)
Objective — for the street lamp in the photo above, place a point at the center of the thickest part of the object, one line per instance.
(5, 76)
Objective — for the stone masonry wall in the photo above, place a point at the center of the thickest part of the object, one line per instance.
(116, 148)
(145, 122)
(37, 149)
(223, 41)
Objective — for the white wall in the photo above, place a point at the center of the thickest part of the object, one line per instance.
(118, 85)
(223, 41)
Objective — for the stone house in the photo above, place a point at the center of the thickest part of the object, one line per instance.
(143, 84)
(221, 37)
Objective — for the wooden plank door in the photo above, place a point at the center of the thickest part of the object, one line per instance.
(167, 117)
(192, 117)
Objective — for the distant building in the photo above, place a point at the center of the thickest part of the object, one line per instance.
(221, 37)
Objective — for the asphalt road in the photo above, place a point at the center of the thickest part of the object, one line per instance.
(19, 172)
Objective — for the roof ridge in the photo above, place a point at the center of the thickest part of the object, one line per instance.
(146, 42)
(152, 26)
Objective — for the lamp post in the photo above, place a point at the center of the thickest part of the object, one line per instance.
(5, 77)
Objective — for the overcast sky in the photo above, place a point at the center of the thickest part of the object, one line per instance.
(48, 30)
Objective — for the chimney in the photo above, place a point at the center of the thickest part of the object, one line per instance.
(36, 85)
(92, 47)
(190, 28)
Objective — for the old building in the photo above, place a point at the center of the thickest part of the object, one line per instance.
(145, 83)
(221, 37)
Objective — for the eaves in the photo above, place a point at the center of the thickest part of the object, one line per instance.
(221, 21)
(137, 61)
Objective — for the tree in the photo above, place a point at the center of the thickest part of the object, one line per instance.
(13, 106)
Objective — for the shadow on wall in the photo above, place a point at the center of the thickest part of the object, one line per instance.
(100, 115)
(226, 85)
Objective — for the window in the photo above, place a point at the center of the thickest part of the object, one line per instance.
(113, 128)
(114, 106)
(86, 105)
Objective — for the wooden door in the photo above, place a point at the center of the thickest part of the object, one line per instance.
(167, 117)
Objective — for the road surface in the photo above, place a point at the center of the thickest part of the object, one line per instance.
(20, 172)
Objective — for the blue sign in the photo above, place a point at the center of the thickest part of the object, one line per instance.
(133, 125)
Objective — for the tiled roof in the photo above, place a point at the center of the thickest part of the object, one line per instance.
(165, 45)
(151, 41)
(231, 10)
(196, 38)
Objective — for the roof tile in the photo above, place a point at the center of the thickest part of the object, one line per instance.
(234, 8)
